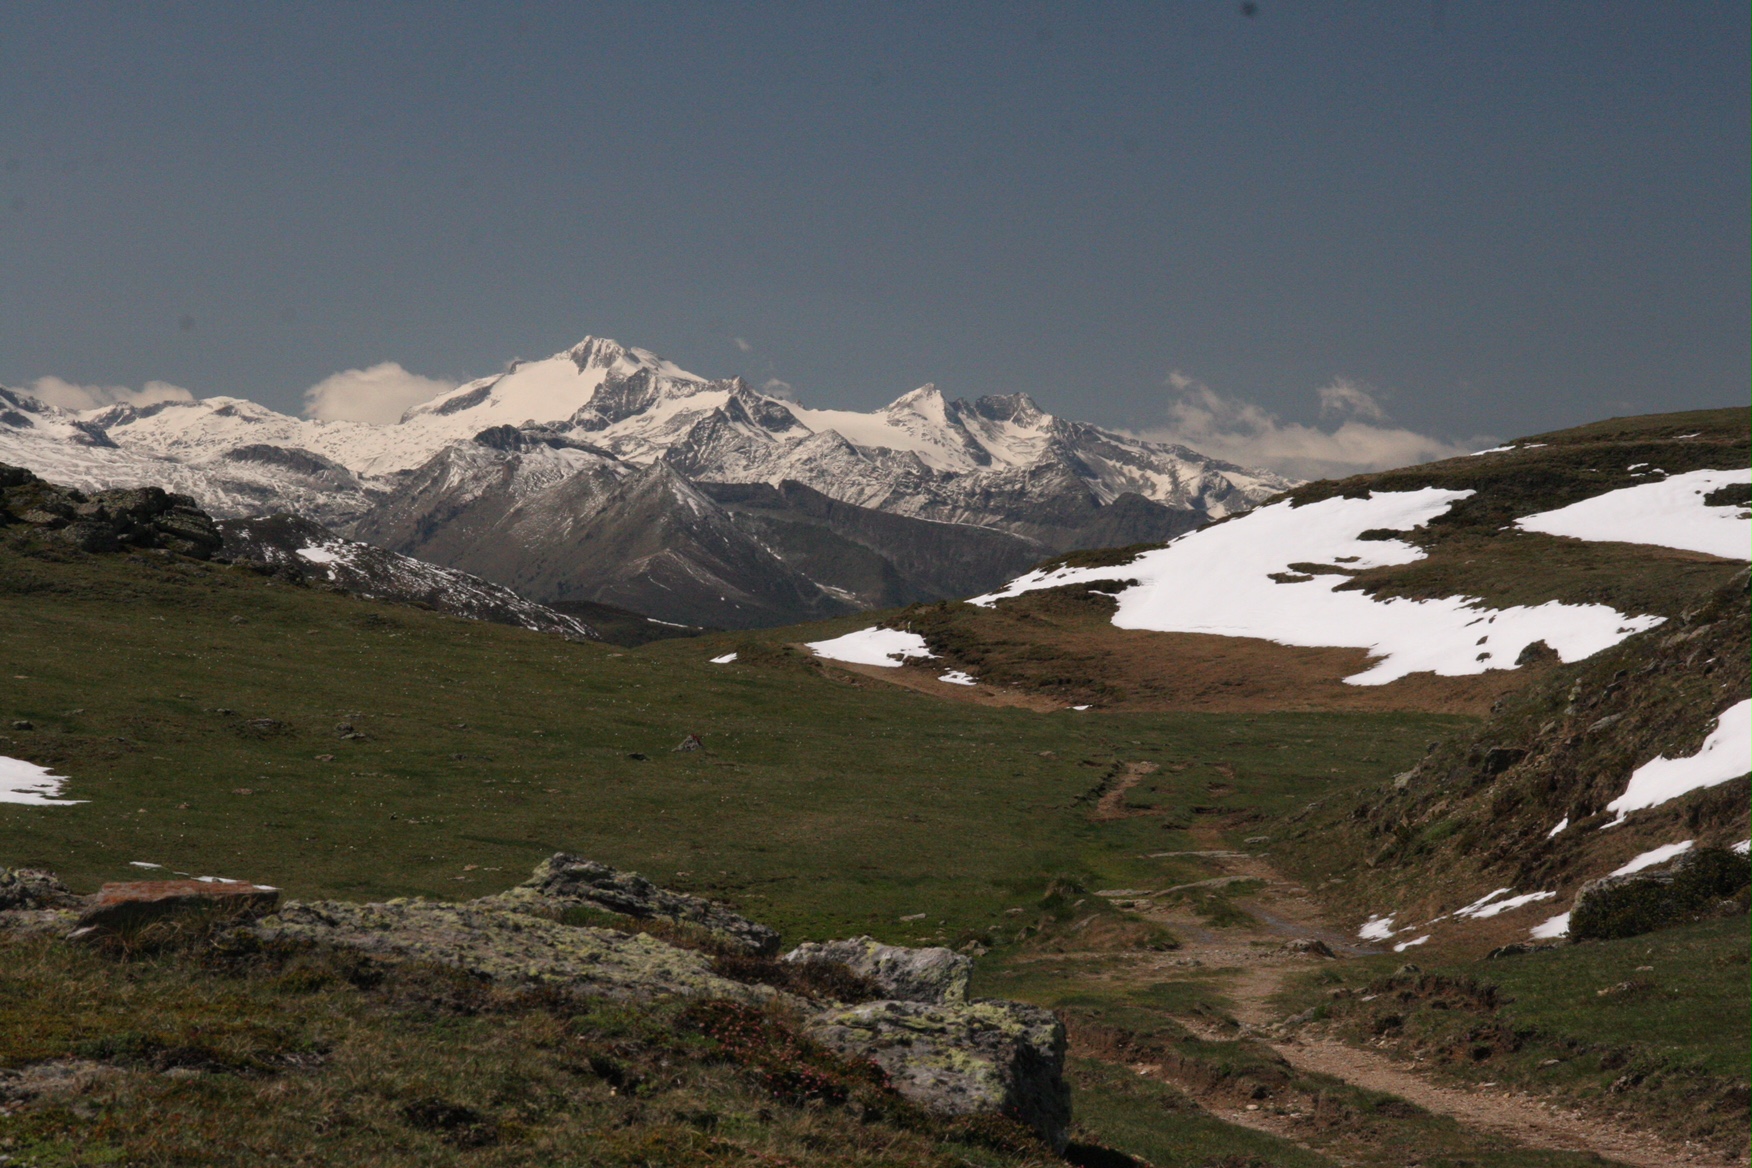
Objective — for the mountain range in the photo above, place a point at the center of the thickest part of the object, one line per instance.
(605, 474)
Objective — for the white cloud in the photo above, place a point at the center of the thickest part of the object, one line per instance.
(65, 394)
(742, 344)
(379, 394)
(1239, 431)
(773, 387)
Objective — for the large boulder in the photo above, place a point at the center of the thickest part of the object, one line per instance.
(134, 903)
(565, 881)
(965, 1059)
(936, 975)
(500, 943)
(1693, 886)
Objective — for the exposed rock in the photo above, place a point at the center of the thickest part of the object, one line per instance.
(1640, 902)
(305, 552)
(107, 521)
(134, 903)
(691, 742)
(565, 881)
(1311, 946)
(963, 1059)
(492, 939)
(28, 888)
(937, 976)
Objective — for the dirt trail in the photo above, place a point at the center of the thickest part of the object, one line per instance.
(1112, 804)
(1285, 910)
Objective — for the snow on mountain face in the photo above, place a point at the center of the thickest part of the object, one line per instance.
(922, 455)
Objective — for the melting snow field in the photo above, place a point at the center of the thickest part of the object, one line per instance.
(724, 660)
(1218, 580)
(1669, 513)
(1724, 756)
(30, 784)
(958, 677)
(873, 646)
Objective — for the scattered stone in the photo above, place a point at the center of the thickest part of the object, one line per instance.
(1519, 948)
(636, 756)
(134, 903)
(21, 724)
(1311, 946)
(691, 742)
(29, 888)
(565, 881)
(976, 1058)
(936, 975)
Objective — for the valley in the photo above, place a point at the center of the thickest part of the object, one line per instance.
(1286, 911)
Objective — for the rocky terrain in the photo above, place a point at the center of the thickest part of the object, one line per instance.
(908, 1012)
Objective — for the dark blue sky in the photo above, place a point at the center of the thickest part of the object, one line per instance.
(1502, 217)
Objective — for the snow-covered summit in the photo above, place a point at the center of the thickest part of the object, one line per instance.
(922, 454)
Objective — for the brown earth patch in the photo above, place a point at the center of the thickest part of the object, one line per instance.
(1056, 664)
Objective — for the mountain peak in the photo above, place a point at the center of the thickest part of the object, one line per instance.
(926, 401)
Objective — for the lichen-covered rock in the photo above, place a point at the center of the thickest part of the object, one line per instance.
(499, 943)
(566, 881)
(971, 1058)
(934, 975)
(1640, 902)
(28, 888)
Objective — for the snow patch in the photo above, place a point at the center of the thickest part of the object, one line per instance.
(1220, 580)
(724, 660)
(957, 677)
(320, 555)
(1722, 758)
(1655, 856)
(1561, 824)
(143, 864)
(1478, 904)
(1557, 926)
(1377, 928)
(1404, 945)
(30, 784)
(1743, 847)
(873, 646)
(1502, 906)
(1670, 513)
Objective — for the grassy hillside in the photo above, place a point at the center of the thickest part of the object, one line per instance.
(220, 723)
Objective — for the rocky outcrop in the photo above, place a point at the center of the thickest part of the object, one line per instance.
(1693, 886)
(107, 521)
(491, 939)
(565, 881)
(938, 1049)
(30, 889)
(937, 976)
(979, 1057)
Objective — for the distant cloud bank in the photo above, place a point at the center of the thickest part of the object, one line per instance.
(68, 396)
(1363, 439)
(379, 394)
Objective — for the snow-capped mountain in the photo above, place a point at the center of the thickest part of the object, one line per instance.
(529, 458)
